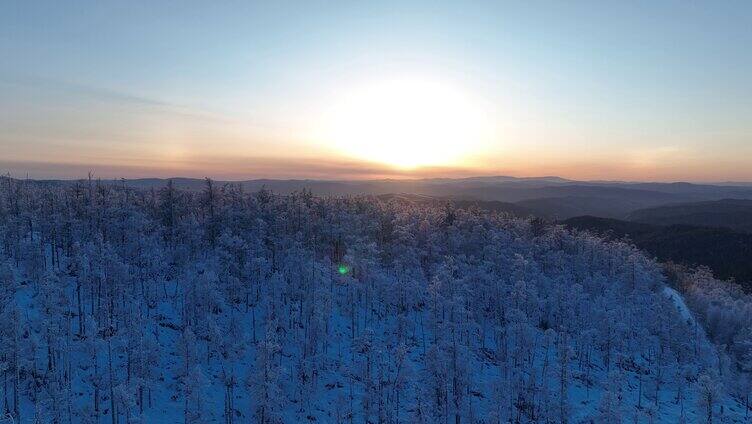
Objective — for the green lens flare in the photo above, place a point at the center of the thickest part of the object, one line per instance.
(343, 269)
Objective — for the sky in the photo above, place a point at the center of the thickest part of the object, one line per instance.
(658, 91)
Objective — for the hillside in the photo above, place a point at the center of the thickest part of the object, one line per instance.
(556, 208)
(512, 209)
(735, 214)
(724, 251)
(124, 305)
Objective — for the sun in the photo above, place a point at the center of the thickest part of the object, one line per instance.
(405, 123)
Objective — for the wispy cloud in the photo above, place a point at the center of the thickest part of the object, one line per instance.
(98, 93)
(231, 169)
(79, 91)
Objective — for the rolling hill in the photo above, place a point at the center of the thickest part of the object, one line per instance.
(729, 213)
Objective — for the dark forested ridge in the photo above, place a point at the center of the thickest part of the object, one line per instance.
(125, 305)
(735, 214)
(728, 253)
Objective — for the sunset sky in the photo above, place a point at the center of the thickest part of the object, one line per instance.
(340, 90)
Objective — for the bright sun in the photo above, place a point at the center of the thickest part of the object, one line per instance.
(406, 123)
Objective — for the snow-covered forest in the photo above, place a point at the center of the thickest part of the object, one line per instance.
(165, 306)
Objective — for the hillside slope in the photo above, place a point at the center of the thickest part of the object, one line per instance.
(735, 214)
(121, 305)
(557, 208)
(724, 251)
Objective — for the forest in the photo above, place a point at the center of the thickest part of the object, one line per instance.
(723, 250)
(162, 305)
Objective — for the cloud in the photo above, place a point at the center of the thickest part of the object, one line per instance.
(52, 84)
(230, 169)
(76, 92)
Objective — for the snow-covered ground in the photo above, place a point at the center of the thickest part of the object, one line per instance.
(295, 309)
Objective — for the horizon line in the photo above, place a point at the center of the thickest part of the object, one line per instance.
(389, 179)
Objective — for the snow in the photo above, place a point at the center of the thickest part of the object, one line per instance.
(678, 301)
(483, 319)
